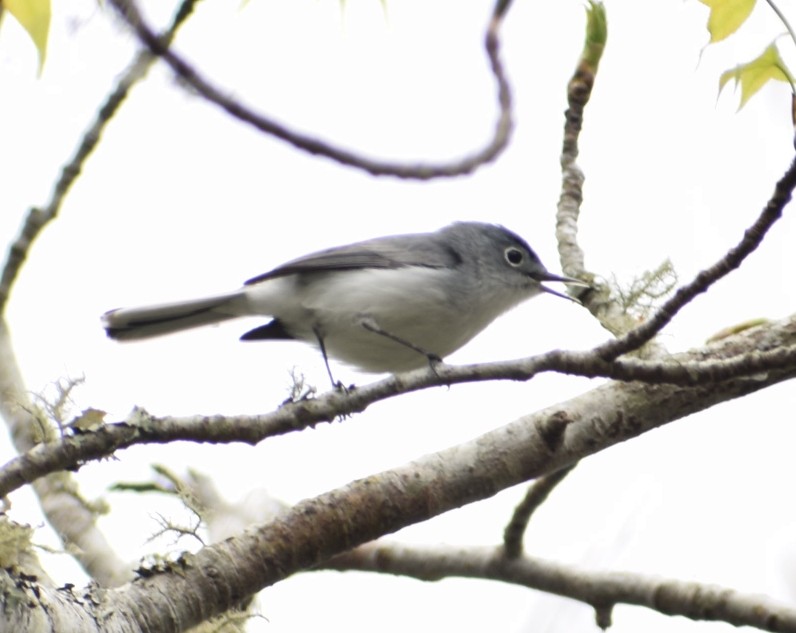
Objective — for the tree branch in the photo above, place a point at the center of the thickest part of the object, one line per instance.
(601, 590)
(578, 95)
(420, 171)
(608, 312)
(57, 493)
(752, 238)
(756, 358)
(219, 576)
(39, 217)
(598, 300)
(537, 494)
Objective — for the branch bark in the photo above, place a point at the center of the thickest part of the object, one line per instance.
(765, 354)
(601, 590)
(40, 217)
(175, 596)
(57, 493)
(220, 576)
(306, 143)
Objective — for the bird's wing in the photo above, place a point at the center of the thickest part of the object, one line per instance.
(390, 252)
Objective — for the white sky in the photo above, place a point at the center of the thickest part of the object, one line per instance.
(180, 201)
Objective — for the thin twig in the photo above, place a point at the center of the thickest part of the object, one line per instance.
(597, 299)
(312, 145)
(39, 217)
(752, 238)
(578, 93)
(537, 494)
(784, 21)
(609, 312)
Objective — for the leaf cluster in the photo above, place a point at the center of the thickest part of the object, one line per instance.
(726, 17)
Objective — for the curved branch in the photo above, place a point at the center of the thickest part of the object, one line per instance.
(602, 590)
(783, 18)
(537, 494)
(740, 364)
(421, 171)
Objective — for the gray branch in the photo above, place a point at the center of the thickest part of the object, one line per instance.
(601, 589)
(220, 576)
(57, 492)
(752, 360)
(312, 145)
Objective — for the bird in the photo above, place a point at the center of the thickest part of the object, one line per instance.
(384, 305)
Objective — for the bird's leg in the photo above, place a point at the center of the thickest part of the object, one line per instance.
(336, 384)
(371, 326)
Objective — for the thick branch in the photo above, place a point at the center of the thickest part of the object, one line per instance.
(219, 576)
(312, 145)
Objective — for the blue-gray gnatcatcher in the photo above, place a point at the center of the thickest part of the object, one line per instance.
(384, 305)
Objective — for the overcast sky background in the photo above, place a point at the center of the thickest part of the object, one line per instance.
(179, 200)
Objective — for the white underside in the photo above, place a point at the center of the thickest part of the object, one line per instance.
(404, 302)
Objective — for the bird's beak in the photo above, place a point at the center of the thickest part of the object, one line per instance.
(546, 276)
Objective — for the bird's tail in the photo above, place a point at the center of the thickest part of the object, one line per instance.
(126, 324)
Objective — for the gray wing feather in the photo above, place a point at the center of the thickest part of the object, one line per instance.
(386, 252)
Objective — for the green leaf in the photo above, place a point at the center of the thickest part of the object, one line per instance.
(755, 74)
(726, 16)
(596, 33)
(34, 16)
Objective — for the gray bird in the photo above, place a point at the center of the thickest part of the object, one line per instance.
(388, 304)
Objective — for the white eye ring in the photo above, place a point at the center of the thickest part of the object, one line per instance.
(514, 256)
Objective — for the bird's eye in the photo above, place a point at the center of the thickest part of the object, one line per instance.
(513, 255)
